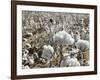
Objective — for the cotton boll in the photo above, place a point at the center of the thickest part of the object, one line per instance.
(63, 62)
(63, 38)
(82, 44)
(51, 48)
(69, 62)
(71, 41)
(45, 47)
(31, 59)
(73, 62)
(47, 52)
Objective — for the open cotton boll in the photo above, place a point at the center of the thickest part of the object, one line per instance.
(70, 41)
(69, 62)
(62, 38)
(51, 48)
(31, 59)
(47, 52)
(82, 44)
(73, 62)
(65, 58)
(61, 35)
(45, 47)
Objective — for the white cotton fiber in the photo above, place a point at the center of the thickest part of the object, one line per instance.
(70, 62)
(63, 38)
(73, 62)
(82, 44)
(47, 52)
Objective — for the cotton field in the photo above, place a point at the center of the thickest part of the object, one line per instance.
(54, 39)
